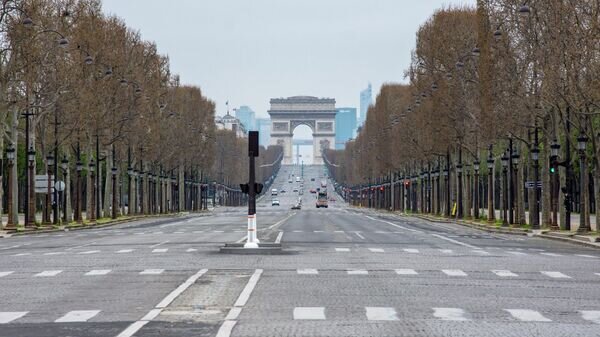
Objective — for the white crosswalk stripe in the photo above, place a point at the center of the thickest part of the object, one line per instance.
(5, 273)
(48, 273)
(526, 315)
(309, 313)
(381, 314)
(454, 272)
(152, 271)
(591, 315)
(517, 253)
(411, 250)
(78, 316)
(376, 250)
(555, 274)
(342, 249)
(587, 256)
(97, 272)
(450, 314)
(358, 272)
(307, 271)
(191, 250)
(504, 273)
(551, 254)
(9, 316)
(54, 253)
(479, 251)
(160, 250)
(446, 251)
(89, 252)
(124, 251)
(406, 272)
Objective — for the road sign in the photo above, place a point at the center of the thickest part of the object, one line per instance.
(60, 186)
(41, 184)
(531, 184)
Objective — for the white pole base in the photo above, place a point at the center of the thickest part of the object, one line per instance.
(251, 245)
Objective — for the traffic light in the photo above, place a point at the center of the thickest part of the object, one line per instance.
(244, 188)
(552, 169)
(258, 188)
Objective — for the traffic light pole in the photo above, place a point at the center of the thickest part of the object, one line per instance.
(252, 241)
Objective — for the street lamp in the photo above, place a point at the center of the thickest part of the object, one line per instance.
(554, 148)
(50, 162)
(504, 161)
(64, 165)
(78, 206)
(10, 155)
(535, 155)
(30, 210)
(476, 190)
(581, 146)
(514, 182)
(524, 11)
(114, 192)
(459, 169)
(92, 210)
(490, 166)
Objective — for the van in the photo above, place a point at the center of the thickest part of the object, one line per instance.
(274, 191)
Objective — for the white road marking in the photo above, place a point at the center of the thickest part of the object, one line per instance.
(81, 246)
(446, 251)
(526, 315)
(160, 250)
(48, 273)
(598, 274)
(97, 272)
(245, 295)
(136, 326)
(218, 231)
(173, 295)
(279, 237)
(342, 249)
(281, 221)
(587, 256)
(11, 247)
(311, 313)
(411, 250)
(589, 315)
(226, 328)
(54, 253)
(358, 272)
(152, 271)
(21, 254)
(233, 313)
(455, 241)
(450, 314)
(406, 272)
(395, 225)
(307, 271)
(454, 272)
(77, 316)
(551, 254)
(178, 232)
(318, 231)
(376, 250)
(123, 251)
(159, 244)
(7, 317)
(198, 232)
(5, 273)
(359, 235)
(517, 253)
(191, 250)
(504, 273)
(298, 231)
(89, 252)
(381, 314)
(339, 232)
(482, 252)
(555, 274)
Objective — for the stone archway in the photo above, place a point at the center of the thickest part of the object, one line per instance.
(316, 113)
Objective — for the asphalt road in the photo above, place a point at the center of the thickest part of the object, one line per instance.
(345, 272)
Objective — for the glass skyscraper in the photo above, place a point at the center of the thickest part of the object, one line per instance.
(263, 125)
(345, 124)
(366, 99)
(247, 116)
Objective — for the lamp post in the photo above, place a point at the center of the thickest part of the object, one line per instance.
(490, 165)
(78, 197)
(460, 192)
(130, 190)
(10, 155)
(581, 146)
(49, 205)
(447, 183)
(554, 148)
(64, 165)
(30, 209)
(515, 186)
(476, 190)
(535, 155)
(504, 161)
(92, 210)
(114, 191)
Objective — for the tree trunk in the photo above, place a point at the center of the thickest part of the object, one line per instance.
(108, 185)
(181, 188)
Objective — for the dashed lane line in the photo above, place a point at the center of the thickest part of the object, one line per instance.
(455, 241)
(77, 316)
(230, 321)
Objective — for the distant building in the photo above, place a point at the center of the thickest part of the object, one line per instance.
(228, 122)
(366, 99)
(247, 116)
(263, 125)
(345, 121)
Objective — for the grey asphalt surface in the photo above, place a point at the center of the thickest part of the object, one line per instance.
(345, 272)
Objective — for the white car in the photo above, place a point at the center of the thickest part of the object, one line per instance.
(275, 202)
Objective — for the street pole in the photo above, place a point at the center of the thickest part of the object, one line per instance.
(30, 209)
(252, 241)
(490, 190)
(581, 146)
(535, 152)
(505, 163)
(460, 185)
(510, 182)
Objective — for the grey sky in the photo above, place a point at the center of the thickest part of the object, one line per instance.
(248, 51)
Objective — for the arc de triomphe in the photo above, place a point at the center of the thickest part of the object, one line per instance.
(316, 113)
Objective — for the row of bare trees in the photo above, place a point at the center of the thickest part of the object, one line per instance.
(499, 95)
(85, 98)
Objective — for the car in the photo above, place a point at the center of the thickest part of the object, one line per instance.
(275, 202)
(312, 179)
(332, 199)
(312, 190)
(295, 190)
(297, 206)
(290, 181)
(282, 191)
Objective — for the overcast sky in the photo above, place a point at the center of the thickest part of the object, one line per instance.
(248, 51)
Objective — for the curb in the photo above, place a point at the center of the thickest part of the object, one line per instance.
(108, 224)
